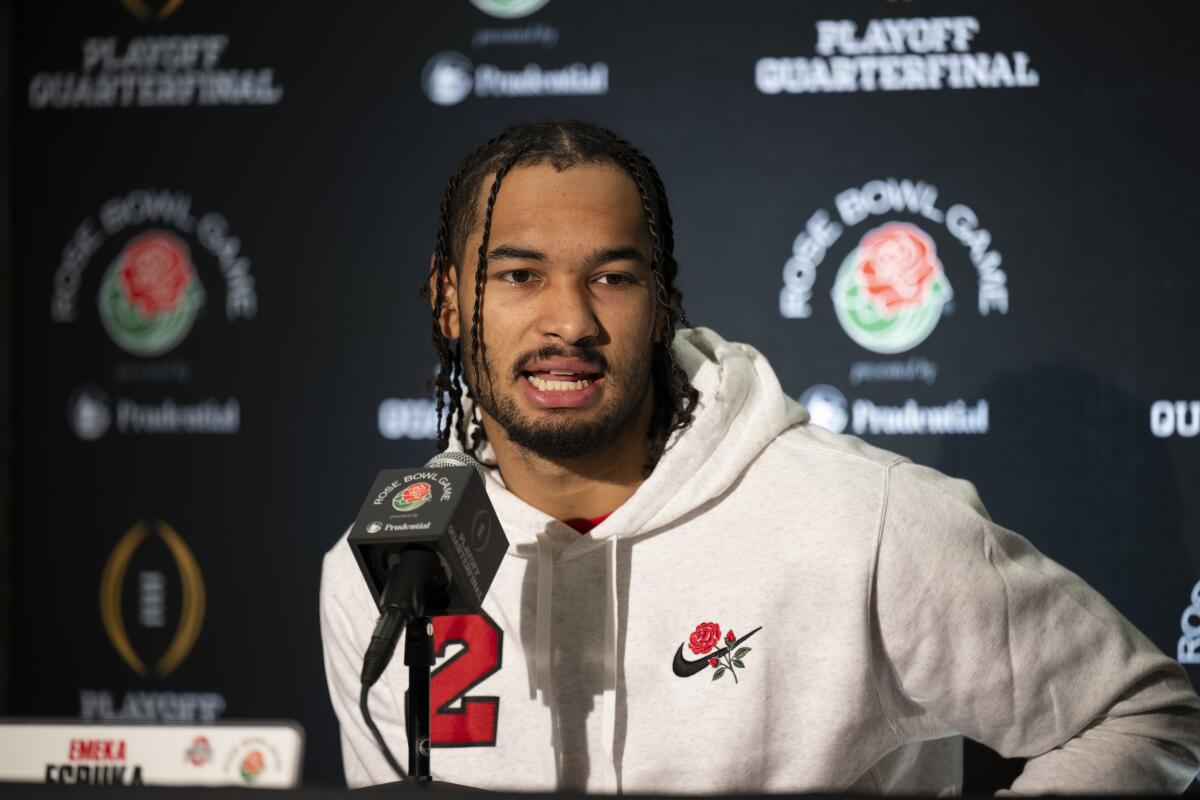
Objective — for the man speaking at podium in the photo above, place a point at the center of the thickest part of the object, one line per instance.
(705, 593)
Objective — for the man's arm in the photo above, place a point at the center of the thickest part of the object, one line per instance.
(347, 618)
(980, 634)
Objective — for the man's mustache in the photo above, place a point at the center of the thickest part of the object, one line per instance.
(590, 356)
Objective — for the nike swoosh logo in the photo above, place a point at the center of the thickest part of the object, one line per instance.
(686, 669)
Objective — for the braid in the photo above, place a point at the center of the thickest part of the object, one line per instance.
(563, 145)
(447, 384)
(669, 379)
(478, 348)
(444, 382)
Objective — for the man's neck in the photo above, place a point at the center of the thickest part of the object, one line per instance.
(586, 487)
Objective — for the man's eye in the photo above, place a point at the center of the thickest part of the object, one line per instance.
(516, 276)
(615, 279)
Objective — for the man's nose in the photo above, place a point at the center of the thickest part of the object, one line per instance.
(566, 313)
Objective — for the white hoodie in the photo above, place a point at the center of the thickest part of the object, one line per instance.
(878, 612)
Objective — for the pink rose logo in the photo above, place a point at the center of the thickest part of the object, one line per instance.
(154, 272)
(897, 266)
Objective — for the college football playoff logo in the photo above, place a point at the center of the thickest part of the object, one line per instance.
(191, 598)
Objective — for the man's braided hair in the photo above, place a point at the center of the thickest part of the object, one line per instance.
(563, 145)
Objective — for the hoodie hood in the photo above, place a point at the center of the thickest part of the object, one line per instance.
(741, 410)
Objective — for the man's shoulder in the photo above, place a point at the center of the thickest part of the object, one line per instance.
(846, 453)
(842, 460)
(341, 578)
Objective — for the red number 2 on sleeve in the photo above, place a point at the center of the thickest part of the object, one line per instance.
(455, 719)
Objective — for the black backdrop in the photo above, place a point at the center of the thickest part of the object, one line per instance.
(177, 482)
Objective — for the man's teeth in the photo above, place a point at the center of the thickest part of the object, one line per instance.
(557, 386)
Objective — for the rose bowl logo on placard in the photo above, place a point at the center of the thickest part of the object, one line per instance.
(254, 761)
(150, 294)
(890, 290)
(413, 496)
(251, 766)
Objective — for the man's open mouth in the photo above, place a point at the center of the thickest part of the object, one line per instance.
(557, 380)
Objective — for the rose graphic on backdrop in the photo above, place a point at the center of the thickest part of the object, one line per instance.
(890, 291)
(150, 295)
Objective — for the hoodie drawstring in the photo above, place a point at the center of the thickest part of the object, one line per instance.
(541, 649)
(545, 589)
(608, 729)
(541, 656)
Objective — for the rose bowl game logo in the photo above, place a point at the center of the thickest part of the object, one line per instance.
(252, 765)
(413, 496)
(890, 291)
(150, 295)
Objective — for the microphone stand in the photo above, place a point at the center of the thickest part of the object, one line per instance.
(418, 657)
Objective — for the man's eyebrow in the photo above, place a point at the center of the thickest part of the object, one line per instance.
(606, 254)
(515, 253)
(603, 255)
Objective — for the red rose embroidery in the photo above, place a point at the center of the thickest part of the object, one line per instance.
(897, 265)
(728, 659)
(154, 273)
(704, 638)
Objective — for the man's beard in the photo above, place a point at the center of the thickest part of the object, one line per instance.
(556, 436)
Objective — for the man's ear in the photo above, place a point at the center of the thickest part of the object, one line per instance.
(448, 319)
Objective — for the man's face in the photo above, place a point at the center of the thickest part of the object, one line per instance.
(567, 320)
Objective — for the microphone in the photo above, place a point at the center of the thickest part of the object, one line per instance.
(428, 543)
